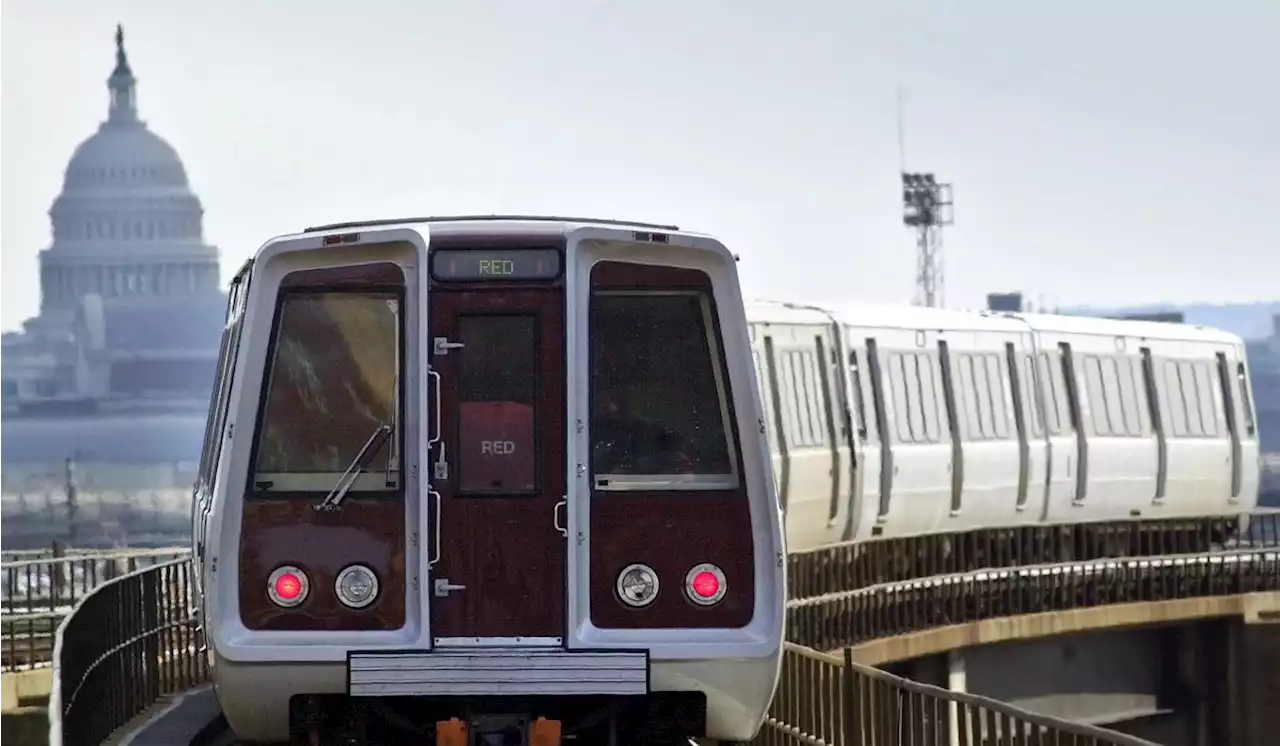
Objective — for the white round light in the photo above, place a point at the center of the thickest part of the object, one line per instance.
(356, 586)
(705, 585)
(287, 586)
(637, 585)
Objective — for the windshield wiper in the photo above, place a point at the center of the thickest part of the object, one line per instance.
(334, 499)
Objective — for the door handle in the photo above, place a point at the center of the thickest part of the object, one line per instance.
(555, 518)
(443, 587)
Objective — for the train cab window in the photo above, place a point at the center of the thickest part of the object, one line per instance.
(331, 402)
(496, 404)
(660, 418)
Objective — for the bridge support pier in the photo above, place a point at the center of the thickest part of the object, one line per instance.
(957, 681)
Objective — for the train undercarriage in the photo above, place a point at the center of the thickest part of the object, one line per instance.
(658, 719)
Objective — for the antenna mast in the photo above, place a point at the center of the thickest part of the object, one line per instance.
(926, 208)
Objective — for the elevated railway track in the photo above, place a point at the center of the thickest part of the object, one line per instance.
(134, 640)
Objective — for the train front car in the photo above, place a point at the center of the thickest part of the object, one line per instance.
(494, 478)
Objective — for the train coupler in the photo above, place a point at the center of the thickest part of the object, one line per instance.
(498, 731)
(543, 732)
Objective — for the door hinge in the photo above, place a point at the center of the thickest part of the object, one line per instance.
(442, 345)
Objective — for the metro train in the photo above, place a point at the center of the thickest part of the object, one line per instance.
(889, 422)
(489, 481)
(533, 478)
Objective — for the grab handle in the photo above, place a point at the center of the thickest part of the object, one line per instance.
(555, 517)
(435, 436)
(435, 529)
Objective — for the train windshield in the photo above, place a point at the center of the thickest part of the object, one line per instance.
(659, 415)
(334, 379)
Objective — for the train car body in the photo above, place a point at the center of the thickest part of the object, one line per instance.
(888, 422)
(473, 477)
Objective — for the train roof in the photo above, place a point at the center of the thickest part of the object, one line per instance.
(550, 223)
(498, 225)
(918, 317)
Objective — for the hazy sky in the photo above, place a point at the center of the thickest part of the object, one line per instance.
(1103, 152)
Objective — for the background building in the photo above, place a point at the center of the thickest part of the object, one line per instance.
(105, 391)
(130, 306)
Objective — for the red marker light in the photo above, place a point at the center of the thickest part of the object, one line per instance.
(705, 584)
(289, 587)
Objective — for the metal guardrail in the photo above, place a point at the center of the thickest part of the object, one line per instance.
(38, 591)
(859, 564)
(824, 699)
(838, 620)
(129, 642)
(838, 598)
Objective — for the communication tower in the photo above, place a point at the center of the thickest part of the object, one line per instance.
(926, 208)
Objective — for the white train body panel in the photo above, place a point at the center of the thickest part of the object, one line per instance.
(963, 420)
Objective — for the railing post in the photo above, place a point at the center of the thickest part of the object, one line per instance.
(56, 581)
(151, 623)
(851, 703)
(69, 476)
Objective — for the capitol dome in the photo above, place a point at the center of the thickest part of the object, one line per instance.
(126, 222)
(124, 155)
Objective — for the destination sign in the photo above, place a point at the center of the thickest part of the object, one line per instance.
(473, 265)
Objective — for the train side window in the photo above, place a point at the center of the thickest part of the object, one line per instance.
(1031, 399)
(1191, 395)
(497, 406)
(1207, 397)
(901, 406)
(1246, 401)
(220, 397)
(1177, 400)
(1055, 394)
(212, 432)
(982, 387)
(1097, 398)
(791, 401)
(661, 415)
(875, 380)
(999, 397)
(934, 413)
(855, 373)
(814, 398)
(915, 402)
(969, 395)
(1116, 414)
(334, 380)
(1134, 393)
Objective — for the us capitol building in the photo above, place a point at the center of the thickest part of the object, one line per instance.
(130, 307)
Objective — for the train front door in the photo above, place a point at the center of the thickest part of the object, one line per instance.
(498, 468)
